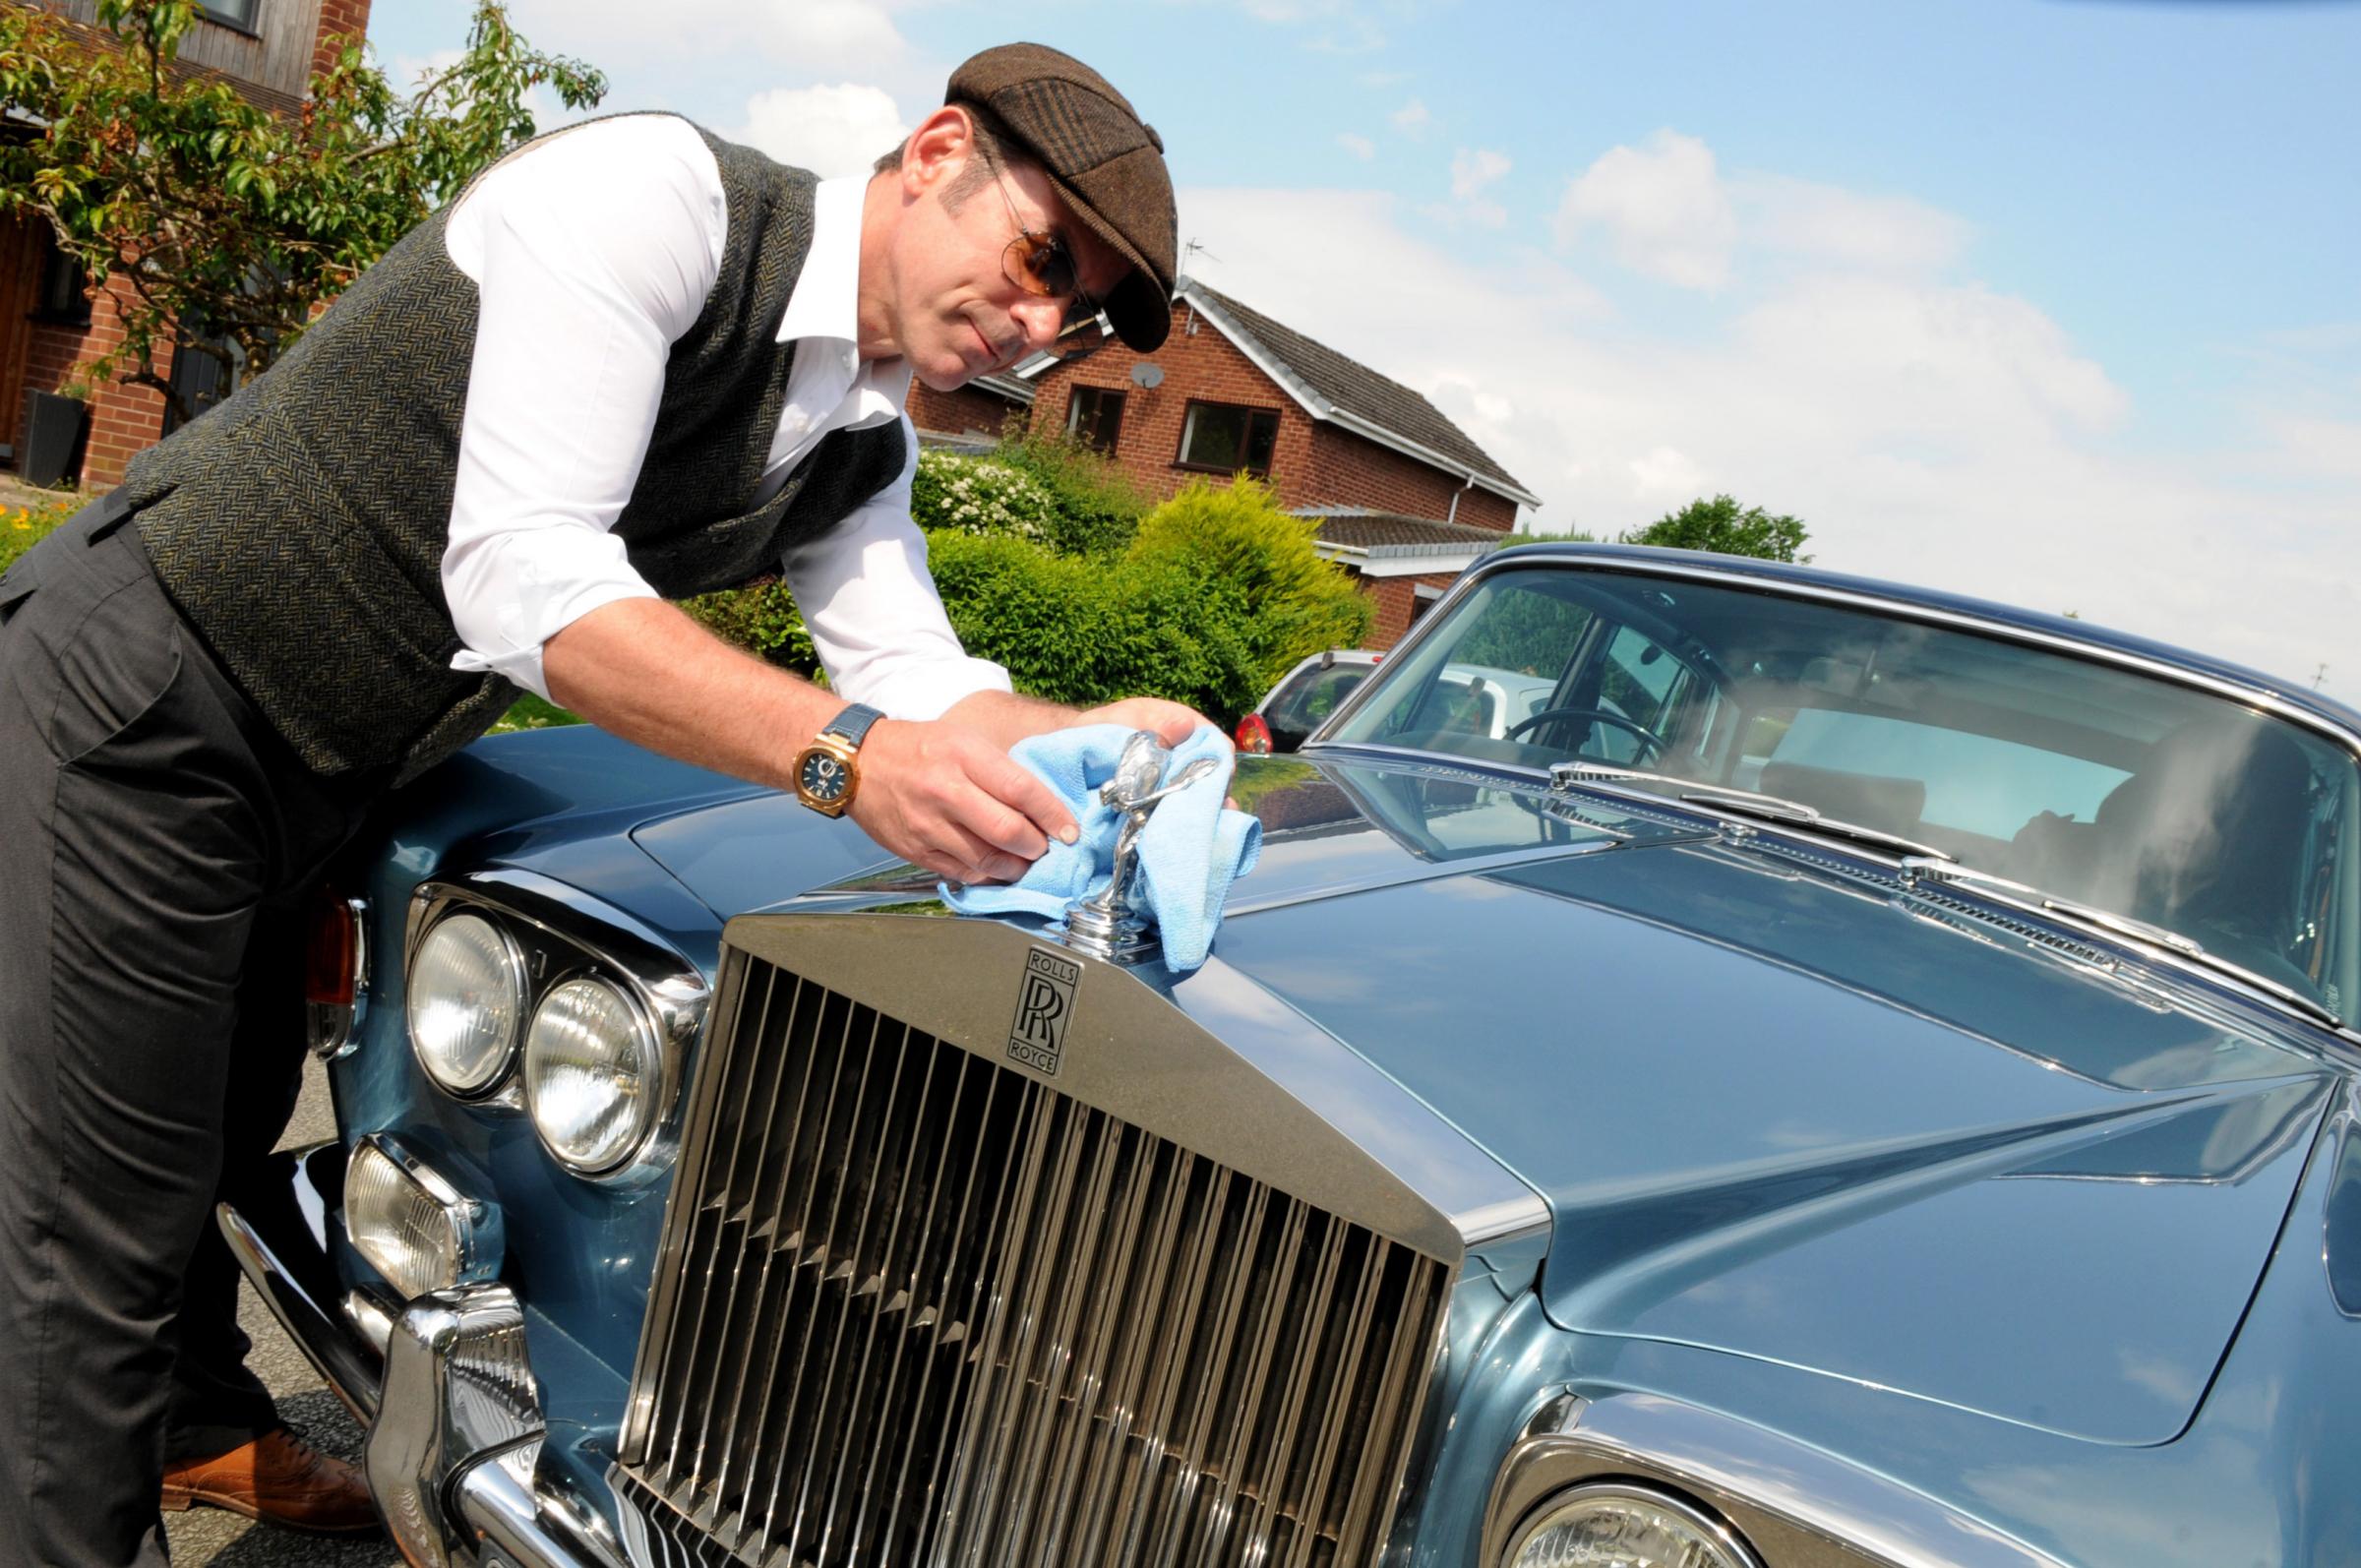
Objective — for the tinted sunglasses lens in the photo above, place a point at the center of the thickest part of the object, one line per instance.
(1054, 265)
(1022, 262)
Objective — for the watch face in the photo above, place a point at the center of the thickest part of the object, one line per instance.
(822, 777)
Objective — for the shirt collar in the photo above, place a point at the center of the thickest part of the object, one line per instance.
(826, 301)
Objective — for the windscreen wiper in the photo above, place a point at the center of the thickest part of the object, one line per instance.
(2108, 923)
(1746, 804)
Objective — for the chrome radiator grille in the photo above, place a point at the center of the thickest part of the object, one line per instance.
(927, 1310)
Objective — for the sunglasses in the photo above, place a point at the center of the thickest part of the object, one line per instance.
(1044, 265)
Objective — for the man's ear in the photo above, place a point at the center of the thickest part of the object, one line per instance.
(937, 151)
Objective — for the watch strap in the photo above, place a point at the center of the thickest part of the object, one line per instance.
(853, 723)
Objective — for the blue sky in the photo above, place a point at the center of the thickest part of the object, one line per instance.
(2051, 301)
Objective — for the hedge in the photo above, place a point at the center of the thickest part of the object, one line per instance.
(1217, 594)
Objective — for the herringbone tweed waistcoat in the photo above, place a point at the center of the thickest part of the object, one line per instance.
(301, 524)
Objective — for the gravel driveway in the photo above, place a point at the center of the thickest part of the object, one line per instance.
(209, 1536)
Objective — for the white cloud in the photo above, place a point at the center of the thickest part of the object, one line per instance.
(1827, 223)
(1472, 171)
(828, 130)
(1663, 208)
(1361, 147)
(1667, 474)
(813, 36)
(1928, 428)
(1411, 119)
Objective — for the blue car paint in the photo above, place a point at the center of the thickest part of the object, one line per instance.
(1762, 1138)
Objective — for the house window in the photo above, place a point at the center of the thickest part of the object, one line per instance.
(63, 300)
(1422, 599)
(1224, 438)
(200, 379)
(238, 14)
(1094, 415)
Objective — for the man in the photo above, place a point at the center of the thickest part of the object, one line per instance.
(632, 361)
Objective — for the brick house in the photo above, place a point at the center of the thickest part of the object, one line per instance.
(268, 49)
(1403, 497)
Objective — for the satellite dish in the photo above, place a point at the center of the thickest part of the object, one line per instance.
(1146, 375)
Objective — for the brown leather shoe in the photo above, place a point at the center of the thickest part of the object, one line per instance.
(279, 1478)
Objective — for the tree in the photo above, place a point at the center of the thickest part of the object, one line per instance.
(224, 221)
(1719, 525)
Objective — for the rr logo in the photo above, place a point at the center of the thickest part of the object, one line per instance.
(1044, 1001)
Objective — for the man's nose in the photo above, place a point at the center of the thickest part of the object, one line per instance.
(1040, 316)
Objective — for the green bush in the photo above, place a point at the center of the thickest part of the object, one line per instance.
(1296, 604)
(952, 494)
(1084, 631)
(23, 527)
(760, 618)
(1097, 507)
(1218, 595)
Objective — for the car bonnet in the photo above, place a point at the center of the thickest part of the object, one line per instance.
(1783, 1111)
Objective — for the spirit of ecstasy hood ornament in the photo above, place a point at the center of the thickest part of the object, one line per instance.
(1106, 925)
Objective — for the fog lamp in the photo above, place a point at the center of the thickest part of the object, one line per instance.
(591, 1074)
(411, 1225)
(1607, 1524)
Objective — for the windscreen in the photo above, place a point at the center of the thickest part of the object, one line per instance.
(2085, 780)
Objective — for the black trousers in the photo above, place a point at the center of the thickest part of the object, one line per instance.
(155, 840)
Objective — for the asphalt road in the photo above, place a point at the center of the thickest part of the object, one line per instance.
(209, 1536)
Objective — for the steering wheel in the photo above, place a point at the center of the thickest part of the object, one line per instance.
(1650, 740)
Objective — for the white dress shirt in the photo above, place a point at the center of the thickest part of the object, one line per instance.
(592, 254)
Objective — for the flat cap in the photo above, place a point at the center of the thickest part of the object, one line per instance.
(1106, 163)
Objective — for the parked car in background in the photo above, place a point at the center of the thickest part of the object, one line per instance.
(1474, 697)
(1856, 1078)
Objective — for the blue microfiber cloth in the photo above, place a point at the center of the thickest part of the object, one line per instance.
(1192, 850)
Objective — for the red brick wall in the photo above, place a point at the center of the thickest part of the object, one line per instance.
(1393, 599)
(958, 412)
(338, 19)
(1355, 472)
(122, 419)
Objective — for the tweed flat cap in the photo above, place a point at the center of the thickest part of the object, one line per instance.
(1106, 163)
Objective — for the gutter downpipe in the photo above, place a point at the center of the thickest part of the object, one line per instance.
(1453, 514)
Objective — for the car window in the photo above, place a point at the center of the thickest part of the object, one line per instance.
(1305, 702)
(1975, 783)
(2087, 778)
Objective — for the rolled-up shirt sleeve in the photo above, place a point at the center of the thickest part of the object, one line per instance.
(874, 615)
(590, 256)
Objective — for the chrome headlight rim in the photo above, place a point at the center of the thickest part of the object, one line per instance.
(567, 931)
(1715, 1530)
(656, 1079)
(510, 960)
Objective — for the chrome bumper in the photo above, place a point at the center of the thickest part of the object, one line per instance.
(453, 1411)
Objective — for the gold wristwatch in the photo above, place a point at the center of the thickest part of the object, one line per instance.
(827, 773)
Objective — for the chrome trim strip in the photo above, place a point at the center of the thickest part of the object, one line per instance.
(1797, 1506)
(280, 1242)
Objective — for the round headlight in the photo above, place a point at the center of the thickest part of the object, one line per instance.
(1610, 1526)
(466, 1002)
(590, 1075)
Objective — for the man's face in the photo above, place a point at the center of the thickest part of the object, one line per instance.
(955, 312)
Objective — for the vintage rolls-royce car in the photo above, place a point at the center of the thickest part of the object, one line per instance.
(1858, 1079)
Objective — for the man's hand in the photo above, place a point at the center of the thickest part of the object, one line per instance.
(943, 797)
(1172, 722)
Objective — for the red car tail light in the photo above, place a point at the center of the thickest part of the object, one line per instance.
(1253, 735)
